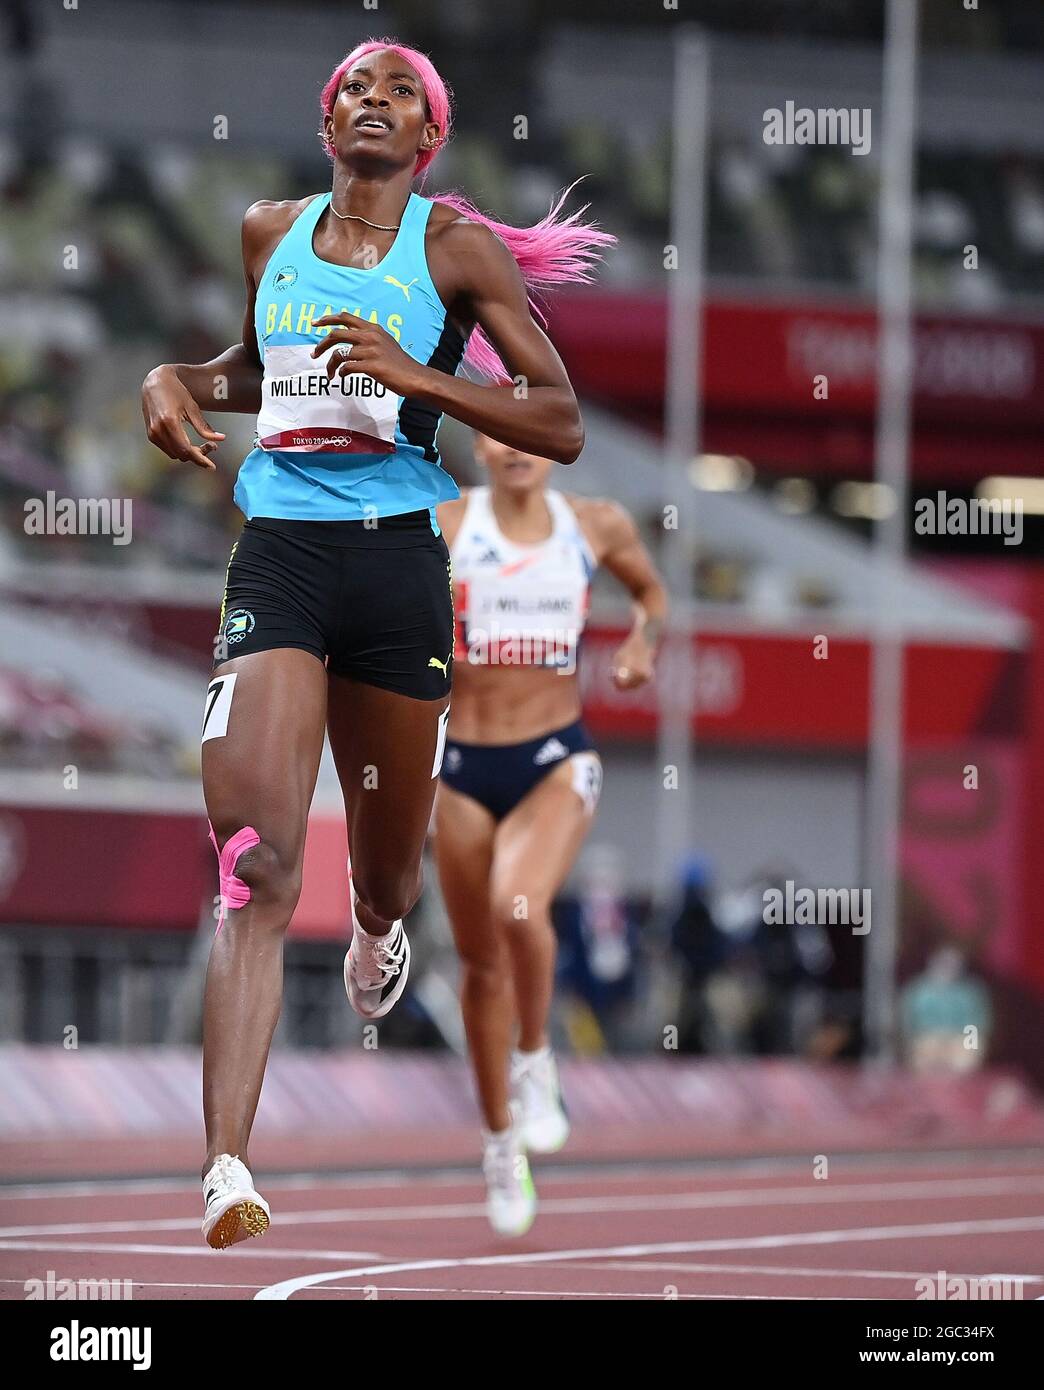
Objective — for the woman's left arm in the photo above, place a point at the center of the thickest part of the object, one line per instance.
(538, 412)
(623, 553)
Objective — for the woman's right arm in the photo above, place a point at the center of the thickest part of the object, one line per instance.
(174, 395)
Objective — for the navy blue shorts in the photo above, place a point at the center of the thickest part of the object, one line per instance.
(499, 775)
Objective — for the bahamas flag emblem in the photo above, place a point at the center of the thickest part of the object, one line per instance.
(285, 277)
(238, 624)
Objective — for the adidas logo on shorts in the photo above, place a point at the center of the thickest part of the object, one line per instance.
(551, 751)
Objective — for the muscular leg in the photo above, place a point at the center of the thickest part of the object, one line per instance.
(261, 773)
(384, 747)
(533, 851)
(464, 832)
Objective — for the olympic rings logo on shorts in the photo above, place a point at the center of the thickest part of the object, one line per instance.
(238, 624)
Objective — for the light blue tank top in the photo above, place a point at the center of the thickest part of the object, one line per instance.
(348, 450)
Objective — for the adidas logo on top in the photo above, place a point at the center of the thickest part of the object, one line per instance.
(551, 751)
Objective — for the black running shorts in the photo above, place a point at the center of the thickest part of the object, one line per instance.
(372, 600)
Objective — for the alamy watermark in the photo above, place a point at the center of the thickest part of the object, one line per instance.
(965, 1286)
(51, 1287)
(52, 515)
(977, 516)
(826, 907)
(821, 125)
(497, 646)
(79, 1342)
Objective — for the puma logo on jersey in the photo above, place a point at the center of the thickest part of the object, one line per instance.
(391, 280)
(442, 666)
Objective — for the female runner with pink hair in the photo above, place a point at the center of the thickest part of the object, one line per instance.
(337, 613)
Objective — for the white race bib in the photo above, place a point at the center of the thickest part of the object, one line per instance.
(305, 411)
(537, 609)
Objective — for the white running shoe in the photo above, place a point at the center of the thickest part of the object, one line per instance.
(235, 1210)
(510, 1195)
(535, 1087)
(376, 968)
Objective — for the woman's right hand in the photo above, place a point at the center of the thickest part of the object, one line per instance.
(167, 406)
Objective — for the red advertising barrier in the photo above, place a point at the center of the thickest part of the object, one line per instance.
(93, 867)
(776, 691)
(975, 379)
(148, 869)
(961, 855)
(964, 856)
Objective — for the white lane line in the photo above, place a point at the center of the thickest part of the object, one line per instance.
(551, 1294)
(168, 1284)
(555, 1173)
(305, 1182)
(791, 1272)
(497, 1293)
(246, 1250)
(939, 1229)
(295, 1182)
(816, 1194)
(465, 1293)
(390, 1178)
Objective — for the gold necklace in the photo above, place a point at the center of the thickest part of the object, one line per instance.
(354, 217)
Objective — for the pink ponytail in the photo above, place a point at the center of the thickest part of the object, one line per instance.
(554, 251)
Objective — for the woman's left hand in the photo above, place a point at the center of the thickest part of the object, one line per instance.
(373, 350)
(633, 663)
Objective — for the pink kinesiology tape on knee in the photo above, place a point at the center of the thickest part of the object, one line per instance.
(234, 892)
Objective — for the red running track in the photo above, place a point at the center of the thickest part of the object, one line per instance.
(764, 1229)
